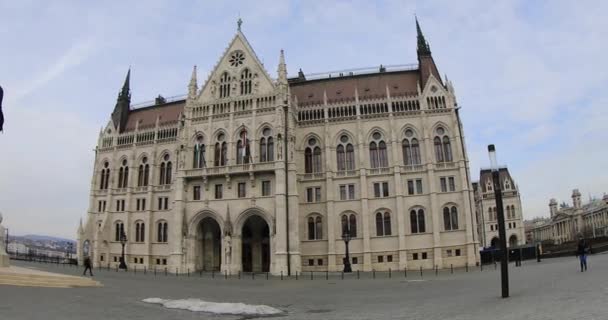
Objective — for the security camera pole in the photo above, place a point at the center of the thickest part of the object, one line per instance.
(502, 233)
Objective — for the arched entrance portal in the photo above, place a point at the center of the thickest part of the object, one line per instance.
(256, 245)
(513, 241)
(495, 243)
(210, 244)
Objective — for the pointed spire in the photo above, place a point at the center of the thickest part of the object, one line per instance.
(282, 69)
(193, 86)
(123, 103)
(423, 45)
(126, 87)
(80, 229)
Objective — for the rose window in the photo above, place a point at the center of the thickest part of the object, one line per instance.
(236, 58)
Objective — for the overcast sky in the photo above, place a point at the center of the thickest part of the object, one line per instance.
(530, 77)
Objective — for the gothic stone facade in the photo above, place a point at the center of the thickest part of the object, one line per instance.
(251, 173)
(485, 206)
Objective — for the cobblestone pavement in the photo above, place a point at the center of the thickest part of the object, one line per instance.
(552, 289)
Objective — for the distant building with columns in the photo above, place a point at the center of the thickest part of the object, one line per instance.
(567, 223)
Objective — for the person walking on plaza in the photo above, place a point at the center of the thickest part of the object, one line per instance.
(581, 252)
(87, 266)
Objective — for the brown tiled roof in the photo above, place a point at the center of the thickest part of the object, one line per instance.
(168, 112)
(343, 88)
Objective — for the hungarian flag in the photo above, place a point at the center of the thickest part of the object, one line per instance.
(1, 114)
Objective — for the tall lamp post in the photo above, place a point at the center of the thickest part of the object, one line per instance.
(346, 237)
(502, 233)
(123, 241)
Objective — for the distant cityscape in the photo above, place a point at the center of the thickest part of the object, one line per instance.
(39, 245)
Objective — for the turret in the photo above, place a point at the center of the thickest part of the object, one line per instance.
(193, 86)
(576, 199)
(123, 103)
(426, 64)
(553, 207)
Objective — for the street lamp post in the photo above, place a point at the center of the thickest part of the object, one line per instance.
(502, 234)
(346, 237)
(123, 241)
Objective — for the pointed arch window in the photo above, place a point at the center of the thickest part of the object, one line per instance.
(417, 222)
(345, 154)
(266, 146)
(162, 231)
(104, 176)
(443, 147)
(383, 224)
(220, 154)
(123, 175)
(450, 218)
(312, 157)
(140, 231)
(198, 156)
(315, 228)
(246, 77)
(225, 85)
(243, 154)
(166, 169)
(349, 225)
(411, 149)
(377, 151)
(119, 229)
(143, 172)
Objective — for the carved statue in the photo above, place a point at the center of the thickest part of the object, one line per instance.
(213, 88)
(228, 248)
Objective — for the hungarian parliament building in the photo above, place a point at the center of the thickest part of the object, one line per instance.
(255, 172)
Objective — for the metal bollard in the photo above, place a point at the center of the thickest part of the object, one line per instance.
(281, 274)
(436, 270)
(342, 275)
(420, 271)
(165, 271)
(176, 271)
(145, 270)
(494, 265)
(225, 275)
(135, 269)
(188, 272)
(116, 268)
(155, 271)
(389, 273)
(373, 274)
(296, 275)
(311, 275)
(451, 268)
(405, 272)
(357, 274)
(326, 275)
(466, 266)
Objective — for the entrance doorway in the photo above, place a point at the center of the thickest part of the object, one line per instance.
(513, 241)
(495, 243)
(211, 244)
(256, 245)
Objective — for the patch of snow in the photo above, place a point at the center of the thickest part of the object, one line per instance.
(215, 307)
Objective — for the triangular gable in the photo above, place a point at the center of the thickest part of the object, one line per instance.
(262, 82)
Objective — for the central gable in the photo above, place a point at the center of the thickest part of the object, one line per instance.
(238, 73)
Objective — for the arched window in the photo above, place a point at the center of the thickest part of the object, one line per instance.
(315, 228)
(165, 171)
(162, 229)
(349, 225)
(312, 157)
(266, 146)
(198, 156)
(345, 154)
(104, 176)
(513, 215)
(383, 224)
(143, 172)
(507, 184)
(450, 218)
(410, 149)
(243, 153)
(220, 153)
(417, 222)
(508, 212)
(123, 175)
(140, 231)
(225, 85)
(119, 229)
(246, 76)
(377, 151)
(490, 214)
(443, 148)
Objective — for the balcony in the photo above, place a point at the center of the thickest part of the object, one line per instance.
(141, 189)
(378, 171)
(120, 191)
(164, 187)
(312, 176)
(234, 169)
(346, 173)
(413, 168)
(445, 165)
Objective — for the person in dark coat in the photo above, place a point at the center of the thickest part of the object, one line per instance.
(87, 266)
(581, 251)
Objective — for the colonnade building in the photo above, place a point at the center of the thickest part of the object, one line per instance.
(255, 173)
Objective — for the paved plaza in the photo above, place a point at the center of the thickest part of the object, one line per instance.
(552, 289)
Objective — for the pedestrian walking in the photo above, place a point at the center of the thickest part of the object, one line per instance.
(581, 252)
(87, 266)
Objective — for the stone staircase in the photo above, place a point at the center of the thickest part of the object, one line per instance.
(17, 276)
